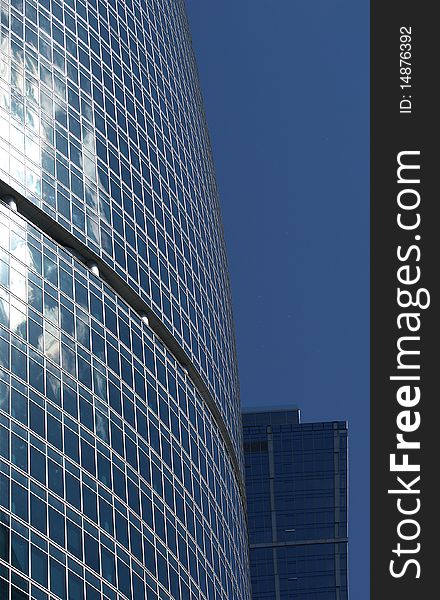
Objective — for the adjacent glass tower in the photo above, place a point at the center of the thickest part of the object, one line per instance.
(121, 471)
(296, 480)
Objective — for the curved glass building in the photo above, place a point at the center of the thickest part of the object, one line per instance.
(121, 471)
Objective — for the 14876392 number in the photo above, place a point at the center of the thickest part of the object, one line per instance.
(405, 57)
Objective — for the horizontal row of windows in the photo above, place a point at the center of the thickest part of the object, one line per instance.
(302, 572)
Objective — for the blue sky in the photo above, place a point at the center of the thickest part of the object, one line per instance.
(286, 89)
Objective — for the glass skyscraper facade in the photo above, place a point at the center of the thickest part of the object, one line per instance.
(121, 469)
(296, 481)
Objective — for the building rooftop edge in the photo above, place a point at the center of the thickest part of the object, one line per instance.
(263, 409)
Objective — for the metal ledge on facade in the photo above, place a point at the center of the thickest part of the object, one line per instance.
(36, 216)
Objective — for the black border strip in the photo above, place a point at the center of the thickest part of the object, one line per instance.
(404, 119)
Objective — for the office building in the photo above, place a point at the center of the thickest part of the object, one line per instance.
(121, 468)
(296, 483)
